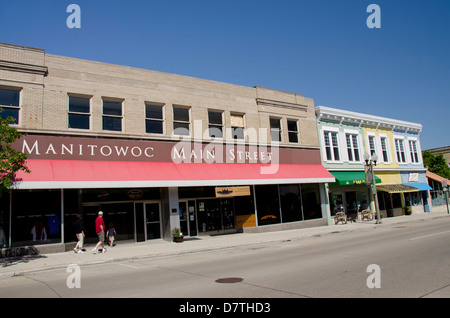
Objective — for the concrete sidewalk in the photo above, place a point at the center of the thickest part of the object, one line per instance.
(129, 250)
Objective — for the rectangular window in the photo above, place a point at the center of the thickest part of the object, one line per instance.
(112, 115)
(352, 147)
(9, 102)
(400, 150)
(293, 131)
(79, 112)
(413, 151)
(372, 148)
(384, 149)
(215, 124)
(181, 121)
(237, 126)
(331, 146)
(275, 129)
(154, 119)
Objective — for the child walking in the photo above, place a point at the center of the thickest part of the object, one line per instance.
(110, 234)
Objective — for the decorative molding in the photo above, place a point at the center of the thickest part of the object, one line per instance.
(24, 68)
(274, 103)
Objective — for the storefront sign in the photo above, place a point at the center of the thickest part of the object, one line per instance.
(413, 177)
(103, 149)
(135, 194)
(222, 192)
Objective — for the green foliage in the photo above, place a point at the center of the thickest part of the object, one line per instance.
(436, 164)
(11, 161)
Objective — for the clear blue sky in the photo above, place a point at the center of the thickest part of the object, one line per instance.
(320, 48)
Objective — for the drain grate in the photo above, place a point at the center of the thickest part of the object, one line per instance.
(229, 280)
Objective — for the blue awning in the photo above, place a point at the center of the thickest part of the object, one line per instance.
(420, 186)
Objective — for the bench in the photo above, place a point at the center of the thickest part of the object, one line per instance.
(366, 215)
(340, 217)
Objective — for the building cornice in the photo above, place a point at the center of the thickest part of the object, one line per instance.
(339, 115)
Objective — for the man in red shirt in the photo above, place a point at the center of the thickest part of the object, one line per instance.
(100, 230)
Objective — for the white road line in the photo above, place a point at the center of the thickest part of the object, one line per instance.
(129, 266)
(425, 236)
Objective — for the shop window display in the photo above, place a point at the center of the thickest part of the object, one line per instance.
(36, 218)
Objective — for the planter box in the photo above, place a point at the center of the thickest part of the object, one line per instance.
(179, 239)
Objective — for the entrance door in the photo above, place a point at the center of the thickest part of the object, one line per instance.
(188, 223)
(352, 204)
(152, 221)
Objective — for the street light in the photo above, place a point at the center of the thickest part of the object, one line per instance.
(370, 179)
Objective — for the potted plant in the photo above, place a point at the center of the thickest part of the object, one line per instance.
(177, 235)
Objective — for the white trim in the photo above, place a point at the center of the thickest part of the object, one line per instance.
(157, 184)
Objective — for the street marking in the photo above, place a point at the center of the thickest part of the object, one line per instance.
(429, 235)
(129, 266)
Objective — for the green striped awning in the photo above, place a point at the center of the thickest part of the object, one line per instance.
(350, 178)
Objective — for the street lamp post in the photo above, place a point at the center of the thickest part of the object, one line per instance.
(370, 180)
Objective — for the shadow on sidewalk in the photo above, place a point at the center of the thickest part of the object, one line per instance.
(17, 255)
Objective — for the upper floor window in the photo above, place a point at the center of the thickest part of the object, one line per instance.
(9, 102)
(181, 121)
(215, 124)
(293, 130)
(413, 151)
(384, 149)
(154, 119)
(237, 126)
(275, 129)
(331, 145)
(372, 148)
(112, 115)
(79, 112)
(352, 147)
(400, 150)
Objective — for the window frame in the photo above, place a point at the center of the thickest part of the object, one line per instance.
(79, 113)
(414, 153)
(112, 116)
(212, 126)
(353, 152)
(400, 151)
(154, 119)
(278, 131)
(293, 132)
(331, 150)
(234, 128)
(385, 153)
(176, 122)
(15, 108)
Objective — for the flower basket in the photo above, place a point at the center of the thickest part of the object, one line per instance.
(177, 235)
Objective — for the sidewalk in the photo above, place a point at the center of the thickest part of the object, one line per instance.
(129, 250)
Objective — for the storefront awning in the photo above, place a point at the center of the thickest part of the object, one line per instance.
(79, 174)
(351, 178)
(420, 186)
(396, 188)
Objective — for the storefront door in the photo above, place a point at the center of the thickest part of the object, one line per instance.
(152, 221)
(147, 221)
(188, 217)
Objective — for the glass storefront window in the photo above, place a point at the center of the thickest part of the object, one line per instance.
(267, 204)
(291, 205)
(36, 218)
(311, 201)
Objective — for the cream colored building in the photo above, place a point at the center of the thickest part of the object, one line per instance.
(152, 150)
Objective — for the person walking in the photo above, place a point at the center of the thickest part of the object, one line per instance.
(80, 235)
(111, 234)
(100, 230)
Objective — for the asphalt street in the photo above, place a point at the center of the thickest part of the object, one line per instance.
(411, 260)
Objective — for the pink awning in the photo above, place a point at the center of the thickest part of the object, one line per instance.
(63, 174)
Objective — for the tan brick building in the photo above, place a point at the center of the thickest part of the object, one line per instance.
(154, 151)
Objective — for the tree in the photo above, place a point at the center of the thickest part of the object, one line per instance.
(11, 161)
(436, 164)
